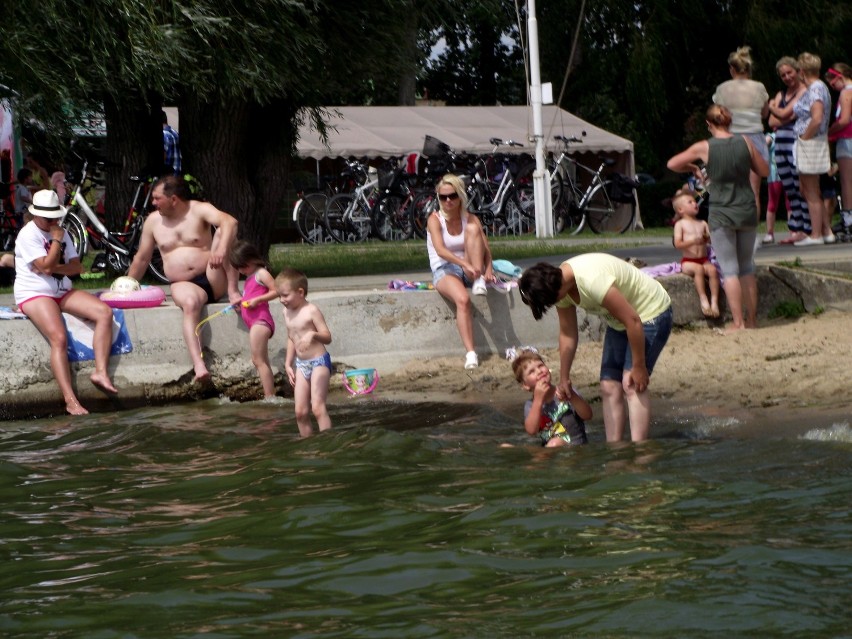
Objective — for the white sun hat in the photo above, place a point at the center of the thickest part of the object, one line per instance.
(46, 204)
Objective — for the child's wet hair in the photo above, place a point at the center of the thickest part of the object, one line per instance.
(519, 362)
(679, 194)
(244, 254)
(296, 279)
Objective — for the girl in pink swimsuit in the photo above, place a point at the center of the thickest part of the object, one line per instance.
(259, 290)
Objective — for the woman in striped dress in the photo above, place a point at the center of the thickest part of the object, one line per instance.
(781, 119)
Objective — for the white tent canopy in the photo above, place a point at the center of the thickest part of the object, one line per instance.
(391, 131)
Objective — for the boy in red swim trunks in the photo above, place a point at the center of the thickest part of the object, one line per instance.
(691, 238)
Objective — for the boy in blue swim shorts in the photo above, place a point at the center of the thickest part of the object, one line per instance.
(308, 364)
(556, 421)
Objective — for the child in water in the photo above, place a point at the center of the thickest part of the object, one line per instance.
(691, 237)
(259, 291)
(558, 422)
(308, 364)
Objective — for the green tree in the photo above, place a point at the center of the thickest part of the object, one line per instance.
(479, 60)
(244, 77)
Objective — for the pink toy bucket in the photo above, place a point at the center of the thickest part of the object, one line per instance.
(361, 381)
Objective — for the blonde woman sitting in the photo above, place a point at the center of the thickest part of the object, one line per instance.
(459, 257)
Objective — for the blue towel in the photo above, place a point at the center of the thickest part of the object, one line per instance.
(81, 334)
(505, 269)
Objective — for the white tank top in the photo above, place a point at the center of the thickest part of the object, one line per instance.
(454, 243)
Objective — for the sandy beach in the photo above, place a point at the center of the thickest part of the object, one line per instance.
(784, 367)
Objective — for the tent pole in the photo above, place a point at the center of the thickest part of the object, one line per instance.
(541, 178)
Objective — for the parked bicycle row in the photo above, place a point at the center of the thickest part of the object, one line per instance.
(389, 203)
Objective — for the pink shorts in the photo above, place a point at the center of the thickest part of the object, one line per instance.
(35, 297)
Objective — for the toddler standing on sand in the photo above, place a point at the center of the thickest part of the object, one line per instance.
(691, 237)
(308, 364)
(558, 422)
(259, 291)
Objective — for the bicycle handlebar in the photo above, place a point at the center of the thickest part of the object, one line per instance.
(499, 142)
(572, 140)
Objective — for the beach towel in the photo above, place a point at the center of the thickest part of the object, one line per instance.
(7, 312)
(82, 332)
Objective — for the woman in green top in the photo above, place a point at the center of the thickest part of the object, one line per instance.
(733, 213)
(638, 313)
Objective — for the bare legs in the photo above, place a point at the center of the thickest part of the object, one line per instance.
(310, 397)
(259, 335)
(820, 226)
(710, 307)
(845, 176)
(617, 404)
(454, 290)
(191, 298)
(46, 315)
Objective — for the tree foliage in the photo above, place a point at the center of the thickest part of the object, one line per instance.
(243, 74)
(644, 69)
(246, 74)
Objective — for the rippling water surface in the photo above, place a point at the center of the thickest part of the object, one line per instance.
(215, 520)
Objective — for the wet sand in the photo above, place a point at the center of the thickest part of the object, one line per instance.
(785, 375)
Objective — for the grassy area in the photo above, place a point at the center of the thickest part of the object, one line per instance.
(375, 258)
(372, 258)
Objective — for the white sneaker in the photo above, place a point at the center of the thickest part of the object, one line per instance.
(810, 241)
(478, 287)
(471, 360)
(769, 238)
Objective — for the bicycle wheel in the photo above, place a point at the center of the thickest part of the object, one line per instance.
(392, 218)
(156, 269)
(334, 216)
(518, 221)
(359, 225)
(309, 215)
(421, 208)
(77, 230)
(606, 216)
(347, 219)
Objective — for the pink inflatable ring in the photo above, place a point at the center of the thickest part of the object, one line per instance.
(145, 297)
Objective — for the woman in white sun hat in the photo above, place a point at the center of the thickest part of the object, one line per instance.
(45, 257)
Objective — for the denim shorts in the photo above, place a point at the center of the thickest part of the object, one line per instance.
(450, 269)
(617, 357)
(843, 149)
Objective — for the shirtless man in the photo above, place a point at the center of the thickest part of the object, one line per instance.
(194, 258)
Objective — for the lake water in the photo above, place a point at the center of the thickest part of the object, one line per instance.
(213, 519)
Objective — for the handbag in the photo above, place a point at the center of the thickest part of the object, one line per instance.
(811, 156)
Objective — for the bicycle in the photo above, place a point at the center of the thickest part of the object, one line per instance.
(309, 209)
(607, 204)
(391, 212)
(119, 247)
(501, 210)
(348, 215)
(492, 190)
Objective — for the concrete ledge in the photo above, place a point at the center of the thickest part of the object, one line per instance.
(381, 329)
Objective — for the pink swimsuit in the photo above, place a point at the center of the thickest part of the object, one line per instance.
(260, 313)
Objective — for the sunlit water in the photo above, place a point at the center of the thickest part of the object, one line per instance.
(213, 519)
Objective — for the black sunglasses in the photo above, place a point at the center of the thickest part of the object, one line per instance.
(448, 196)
